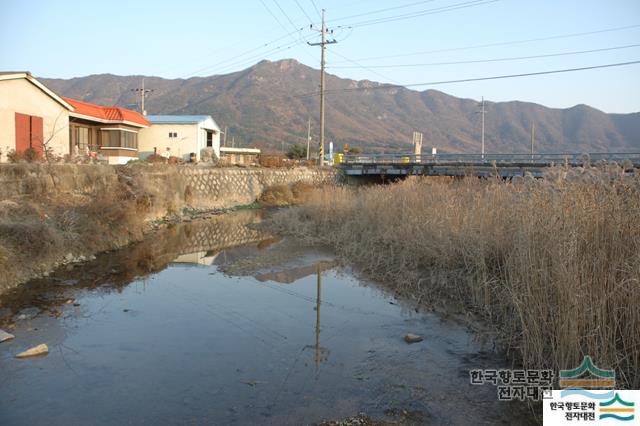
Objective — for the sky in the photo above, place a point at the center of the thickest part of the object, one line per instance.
(399, 42)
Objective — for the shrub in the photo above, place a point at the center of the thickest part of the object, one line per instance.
(276, 196)
(29, 155)
(297, 152)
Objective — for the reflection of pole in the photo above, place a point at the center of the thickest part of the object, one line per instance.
(318, 288)
(308, 136)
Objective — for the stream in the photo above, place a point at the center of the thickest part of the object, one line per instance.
(215, 322)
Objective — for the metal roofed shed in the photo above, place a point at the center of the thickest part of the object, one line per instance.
(239, 156)
(179, 136)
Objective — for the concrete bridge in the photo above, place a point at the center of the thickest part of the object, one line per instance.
(504, 165)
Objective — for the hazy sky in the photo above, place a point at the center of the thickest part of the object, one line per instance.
(179, 39)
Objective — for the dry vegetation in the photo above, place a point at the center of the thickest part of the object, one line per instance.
(553, 263)
(285, 195)
(39, 230)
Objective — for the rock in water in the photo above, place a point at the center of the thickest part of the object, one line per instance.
(35, 351)
(412, 338)
(5, 336)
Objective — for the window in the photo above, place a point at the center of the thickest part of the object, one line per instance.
(119, 139)
(83, 139)
(173, 134)
(209, 139)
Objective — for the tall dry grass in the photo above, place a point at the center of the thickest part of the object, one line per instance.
(553, 263)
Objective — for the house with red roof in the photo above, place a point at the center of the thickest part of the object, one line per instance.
(110, 132)
(33, 118)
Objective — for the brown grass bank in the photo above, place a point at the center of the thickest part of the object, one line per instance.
(554, 264)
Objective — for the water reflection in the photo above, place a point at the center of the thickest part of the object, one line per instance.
(195, 243)
(165, 332)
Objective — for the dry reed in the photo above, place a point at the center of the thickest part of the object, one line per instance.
(554, 264)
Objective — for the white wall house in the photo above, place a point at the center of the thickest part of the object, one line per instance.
(31, 116)
(179, 136)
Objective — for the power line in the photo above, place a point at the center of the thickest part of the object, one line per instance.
(358, 65)
(506, 43)
(273, 15)
(515, 58)
(250, 60)
(316, 9)
(285, 14)
(497, 77)
(373, 12)
(442, 9)
(304, 12)
(262, 46)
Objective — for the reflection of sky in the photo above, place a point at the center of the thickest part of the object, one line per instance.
(192, 343)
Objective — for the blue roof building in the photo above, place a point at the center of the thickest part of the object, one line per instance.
(179, 136)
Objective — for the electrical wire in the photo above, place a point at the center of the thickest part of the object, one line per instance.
(273, 15)
(316, 8)
(478, 61)
(465, 80)
(365, 67)
(505, 43)
(262, 46)
(304, 11)
(373, 12)
(434, 11)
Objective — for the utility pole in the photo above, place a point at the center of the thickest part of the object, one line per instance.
(308, 136)
(323, 42)
(224, 141)
(533, 133)
(482, 111)
(143, 94)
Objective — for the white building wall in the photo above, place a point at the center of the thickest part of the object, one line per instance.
(191, 138)
(21, 96)
(209, 124)
(157, 136)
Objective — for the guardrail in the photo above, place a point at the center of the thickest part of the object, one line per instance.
(490, 159)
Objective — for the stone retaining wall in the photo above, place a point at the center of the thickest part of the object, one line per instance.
(227, 187)
(184, 186)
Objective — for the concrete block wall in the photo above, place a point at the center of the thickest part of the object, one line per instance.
(177, 186)
(228, 187)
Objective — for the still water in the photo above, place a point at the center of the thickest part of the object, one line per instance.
(217, 323)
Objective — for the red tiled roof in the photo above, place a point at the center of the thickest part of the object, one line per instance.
(106, 113)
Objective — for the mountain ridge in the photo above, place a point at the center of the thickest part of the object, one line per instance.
(268, 104)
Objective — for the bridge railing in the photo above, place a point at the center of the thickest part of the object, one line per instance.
(489, 159)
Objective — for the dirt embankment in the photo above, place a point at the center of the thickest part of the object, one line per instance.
(52, 215)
